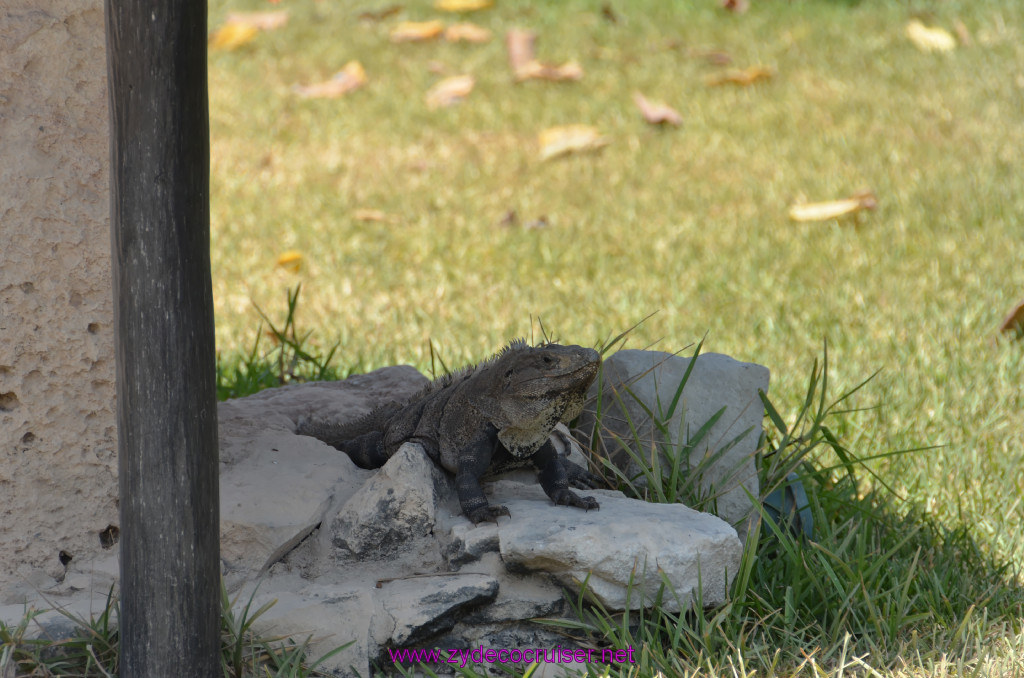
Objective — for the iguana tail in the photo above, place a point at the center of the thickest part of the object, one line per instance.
(361, 439)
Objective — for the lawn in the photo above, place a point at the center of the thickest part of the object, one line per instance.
(477, 240)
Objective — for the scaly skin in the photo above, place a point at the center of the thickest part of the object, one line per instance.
(497, 415)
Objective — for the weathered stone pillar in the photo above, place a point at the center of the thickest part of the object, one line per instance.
(58, 466)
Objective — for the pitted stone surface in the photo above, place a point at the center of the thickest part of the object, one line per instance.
(58, 439)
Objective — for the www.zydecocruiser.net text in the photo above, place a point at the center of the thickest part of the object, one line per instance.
(480, 655)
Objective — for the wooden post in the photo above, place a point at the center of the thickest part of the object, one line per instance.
(163, 306)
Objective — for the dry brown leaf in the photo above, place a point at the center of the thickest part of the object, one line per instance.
(519, 44)
(373, 215)
(466, 32)
(232, 35)
(290, 261)
(509, 220)
(536, 70)
(380, 14)
(438, 67)
(556, 141)
(264, 21)
(929, 38)
(349, 78)
(962, 34)
(461, 5)
(450, 91)
(609, 13)
(823, 211)
(737, 6)
(1014, 323)
(741, 76)
(715, 57)
(417, 31)
(656, 113)
(537, 224)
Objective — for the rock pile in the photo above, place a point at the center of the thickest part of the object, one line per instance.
(383, 559)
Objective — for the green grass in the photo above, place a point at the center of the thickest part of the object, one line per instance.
(691, 223)
(880, 590)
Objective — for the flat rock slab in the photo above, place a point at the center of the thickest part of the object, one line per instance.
(278, 496)
(281, 408)
(420, 607)
(326, 616)
(625, 551)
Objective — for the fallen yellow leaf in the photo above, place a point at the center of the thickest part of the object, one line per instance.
(461, 5)
(536, 70)
(264, 21)
(349, 78)
(656, 113)
(466, 32)
(823, 211)
(928, 38)
(450, 91)
(744, 76)
(232, 35)
(290, 261)
(556, 141)
(416, 31)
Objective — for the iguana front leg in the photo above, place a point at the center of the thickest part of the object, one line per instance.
(579, 477)
(474, 459)
(555, 479)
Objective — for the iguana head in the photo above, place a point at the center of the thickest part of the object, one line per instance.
(529, 389)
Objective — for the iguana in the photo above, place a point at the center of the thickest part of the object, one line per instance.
(482, 419)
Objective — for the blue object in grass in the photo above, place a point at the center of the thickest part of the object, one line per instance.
(788, 505)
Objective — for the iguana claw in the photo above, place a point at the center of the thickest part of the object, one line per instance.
(488, 513)
(570, 498)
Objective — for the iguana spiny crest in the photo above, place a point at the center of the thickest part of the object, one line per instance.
(496, 415)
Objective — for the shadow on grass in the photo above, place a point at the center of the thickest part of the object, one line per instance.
(880, 589)
(883, 585)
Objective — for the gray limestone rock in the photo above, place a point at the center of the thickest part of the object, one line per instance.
(421, 607)
(624, 552)
(634, 382)
(277, 496)
(395, 507)
(520, 598)
(325, 616)
(468, 542)
(281, 408)
(276, 487)
(385, 559)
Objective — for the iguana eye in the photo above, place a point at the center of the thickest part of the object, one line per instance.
(548, 360)
(508, 374)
